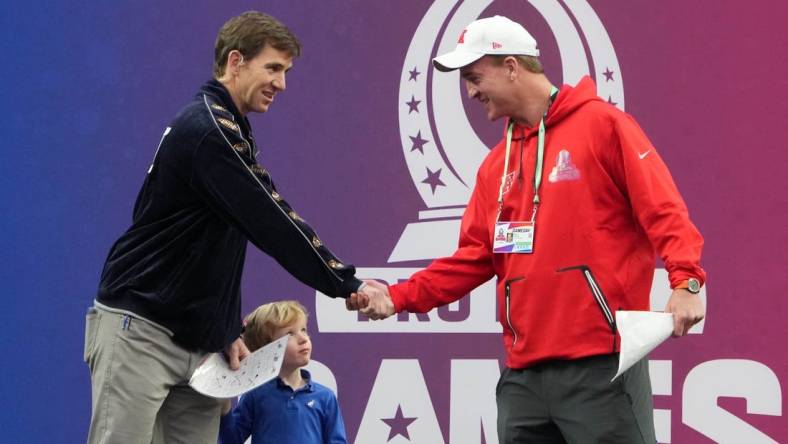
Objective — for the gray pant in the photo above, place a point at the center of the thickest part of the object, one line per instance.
(140, 386)
(574, 402)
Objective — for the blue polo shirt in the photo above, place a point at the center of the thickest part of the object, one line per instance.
(275, 414)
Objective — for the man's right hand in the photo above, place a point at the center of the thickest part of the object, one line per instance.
(235, 353)
(372, 301)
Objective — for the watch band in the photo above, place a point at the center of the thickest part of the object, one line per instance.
(692, 285)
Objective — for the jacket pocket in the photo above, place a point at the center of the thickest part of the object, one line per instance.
(599, 297)
(507, 288)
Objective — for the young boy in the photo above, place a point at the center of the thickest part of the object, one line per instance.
(291, 409)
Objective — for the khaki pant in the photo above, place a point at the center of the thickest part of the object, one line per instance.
(139, 380)
(574, 402)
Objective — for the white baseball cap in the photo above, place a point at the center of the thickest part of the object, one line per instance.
(488, 36)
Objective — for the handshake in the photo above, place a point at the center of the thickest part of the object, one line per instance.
(372, 300)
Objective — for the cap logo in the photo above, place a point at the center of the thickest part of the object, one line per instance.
(462, 36)
(496, 45)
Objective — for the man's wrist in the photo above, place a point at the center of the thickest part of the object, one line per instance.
(397, 298)
(692, 285)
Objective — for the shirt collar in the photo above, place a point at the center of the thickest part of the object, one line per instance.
(305, 375)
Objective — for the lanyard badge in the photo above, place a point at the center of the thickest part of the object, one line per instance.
(514, 237)
(519, 236)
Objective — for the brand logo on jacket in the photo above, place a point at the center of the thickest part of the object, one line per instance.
(564, 169)
(507, 184)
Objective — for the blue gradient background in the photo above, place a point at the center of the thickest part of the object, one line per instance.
(89, 87)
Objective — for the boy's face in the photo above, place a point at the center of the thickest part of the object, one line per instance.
(299, 347)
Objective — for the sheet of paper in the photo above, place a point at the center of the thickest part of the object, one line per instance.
(214, 377)
(641, 332)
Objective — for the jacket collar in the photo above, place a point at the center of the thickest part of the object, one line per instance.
(215, 89)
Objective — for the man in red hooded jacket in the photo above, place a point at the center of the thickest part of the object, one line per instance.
(567, 212)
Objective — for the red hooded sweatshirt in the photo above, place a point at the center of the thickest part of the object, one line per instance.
(608, 203)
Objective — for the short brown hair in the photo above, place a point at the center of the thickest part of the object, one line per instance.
(249, 33)
(260, 325)
(530, 63)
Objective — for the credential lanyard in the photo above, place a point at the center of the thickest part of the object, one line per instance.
(537, 168)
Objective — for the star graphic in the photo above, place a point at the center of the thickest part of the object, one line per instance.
(418, 142)
(398, 424)
(413, 104)
(610, 101)
(433, 179)
(608, 74)
(413, 74)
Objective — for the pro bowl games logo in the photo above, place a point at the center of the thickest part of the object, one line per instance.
(441, 149)
(443, 154)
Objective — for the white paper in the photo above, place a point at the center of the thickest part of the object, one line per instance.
(641, 332)
(215, 378)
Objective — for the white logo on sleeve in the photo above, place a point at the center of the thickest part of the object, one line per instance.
(643, 155)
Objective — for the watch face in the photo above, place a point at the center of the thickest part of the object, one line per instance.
(693, 285)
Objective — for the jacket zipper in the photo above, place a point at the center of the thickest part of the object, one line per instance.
(598, 296)
(508, 295)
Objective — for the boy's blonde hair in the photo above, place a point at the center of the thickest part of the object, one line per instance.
(260, 325)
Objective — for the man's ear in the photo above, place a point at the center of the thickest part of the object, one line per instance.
(510, 64)
(234, 61)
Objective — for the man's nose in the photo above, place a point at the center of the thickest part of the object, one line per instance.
(279, 82)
